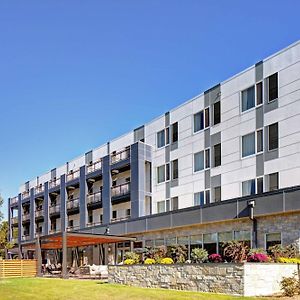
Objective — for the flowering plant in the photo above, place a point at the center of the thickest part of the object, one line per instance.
(258, 257)
(215, 258)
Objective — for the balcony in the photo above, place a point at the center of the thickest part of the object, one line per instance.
(72, 175)
(72, 228)
(14, 240)
(92, 224)
(73, 203)
(39, 233)
(26, 217)
(95, 166)
(122, 155)
(52, 231)
(39, 189)
(39, 212)
(94, 198)
(120, 190)
(14, 221)
(25, 194)
(54, 209)
(14, 201)
(114, 220)
(25, 237)
(54, 182)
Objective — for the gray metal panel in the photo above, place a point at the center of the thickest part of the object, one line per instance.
(139, 133)
(212, 94)
(182, 218)
(174, 146)
(137, 225)
(259, 117)
(82, 198)
(206, 99)
(32, 215)
(63, 202)
(159, 222)
(268, 204)
(215, 181)
(53, 173)
(269, 155)
(167, 119)
(271, 105)
(106, 191)
(167, 153)
(174, 182)
(168, 190)
(207, 138)
(46, 209)
(292, 201)
(207, 179)
(243, 208)
(226, 211)
(259, 71)
(88, 157)
(118, 228)
(259, 165)
(215, 139)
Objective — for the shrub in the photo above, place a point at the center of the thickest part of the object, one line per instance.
(215, 258)
(129, 261)
(199, 255)
(257, 250)
(235, 251)
(134, 256)
(157, 253)
(167, 261)
(149, 261)
(290, 286)
(287, 260)
(177, 252)
(290, 251)
(258, 257)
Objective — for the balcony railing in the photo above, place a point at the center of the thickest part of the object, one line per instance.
(94, 198)
(94, 166)
(54, 182)
(39, 212)
(120, 219)
(116, 157)
(54, 209)
(39, 233)
(73, 203)
(120, 190)
(39, 188)
(25, 194)
(72, 175)
(26, 237)
(26, 217)
(14, 220)
(14, 201)
(71, 228)
(92, 224)
(51, 231)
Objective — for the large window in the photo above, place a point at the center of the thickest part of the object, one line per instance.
(273, 87)
(161, 176)
(248, 98)
(199, 161)
(273, 239)
(174, 203)
(199, 198)
(224, 237)
(217, 194)
(248, 187)
(210, 242)
(217, 155)
(198, 121)
(175, 169)
(161, 139)
(243, 236)
(273, 136)
(174, 132)
(273, 182)
(248, 144)
(195, 241)
(217, 113)
(161, 206)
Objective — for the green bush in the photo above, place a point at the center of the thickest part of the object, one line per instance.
(134, 256)
(129, 261)
(167, 261)
(149, 261)
(199, 255)
(290, 286)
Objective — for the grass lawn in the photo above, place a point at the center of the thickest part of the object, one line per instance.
(39, 288)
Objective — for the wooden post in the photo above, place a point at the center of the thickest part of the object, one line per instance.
(64, 252)
(38, 254)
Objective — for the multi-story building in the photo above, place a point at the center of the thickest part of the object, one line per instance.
(223, 165)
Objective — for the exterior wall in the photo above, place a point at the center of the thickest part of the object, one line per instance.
(247, 279)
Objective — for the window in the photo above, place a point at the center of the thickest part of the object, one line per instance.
(260, 185)
(101, 218)
(248, 144)
(198, 121)
(199, 198)
(175, 132)
(273, 239)
(175, 169)
(248, 98)
(71, 223)
(114, 214)
(160, 206)
(207, 158)
(273, 136)
(217, 113)
(128, 212)
(207, 197)
(161, 139)
(273, 87)
(90, 216)
(167, 172)
(244, 236)
(217, 194)
(224, 237)
(174, 201)
(248, 187)
(273, 182)
(259, 93)
(167, 135)
(259, 141)
(206, 117)
(210, 242)
(217, 155)
(168, 205)
(161, 174)
(199, 161)
(196, 241)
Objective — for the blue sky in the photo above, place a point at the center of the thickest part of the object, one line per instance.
(75, 74)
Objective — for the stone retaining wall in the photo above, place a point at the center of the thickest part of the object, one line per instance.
(235, 279)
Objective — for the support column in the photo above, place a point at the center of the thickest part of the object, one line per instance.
(46, 208)
(64, 253)
(63, 205)
(82, 199)
(32, 216)
(106, 191)
(38, 254)
(20, 227)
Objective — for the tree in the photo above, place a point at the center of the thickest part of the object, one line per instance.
(4, 243)
(1, 203)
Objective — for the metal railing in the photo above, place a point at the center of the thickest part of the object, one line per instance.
(25, 237)
(14, 200)
(73, 203)
(72, 175)
(70, 228)
(39, 213)
(51, 231)
(94, 198)
(54, 182)
(54, 209)
(39, 188)
(26, 216)
(120, 219)
(14, 220)
(120, 190)
(116, 157)
(38, 233)
(92, 224)
(25, 194)
(94, 166)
